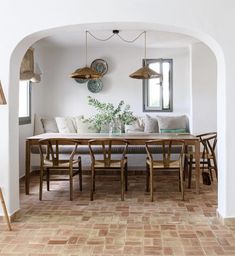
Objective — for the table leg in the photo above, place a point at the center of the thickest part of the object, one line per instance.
(197, 165)
(27, 165)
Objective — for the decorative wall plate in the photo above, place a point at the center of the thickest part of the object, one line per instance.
(95, 85)
(80, 81)
(100, 66)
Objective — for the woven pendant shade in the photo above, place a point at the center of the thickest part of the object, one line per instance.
(145, 73)
(86, 73)
(27, 65)
(2, 96)
(37, 74)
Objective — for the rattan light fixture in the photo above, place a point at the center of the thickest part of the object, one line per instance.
(2, 96)
(145, 72)
(86, 72)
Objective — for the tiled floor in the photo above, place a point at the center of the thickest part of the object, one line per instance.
(108, 226)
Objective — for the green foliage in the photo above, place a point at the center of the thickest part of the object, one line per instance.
(107, 113)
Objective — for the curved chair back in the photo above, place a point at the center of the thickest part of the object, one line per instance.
(104, 149)
(51, 149)
(165, 148)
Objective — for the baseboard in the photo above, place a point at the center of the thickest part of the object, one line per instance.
(12, 217)
(225, 221)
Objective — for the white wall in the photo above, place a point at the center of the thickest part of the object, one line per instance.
(62, 95)
(204, 89)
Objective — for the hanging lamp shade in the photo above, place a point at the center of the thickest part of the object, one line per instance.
(86, 73)
(2, 96)
(27, 65)
(145, 73)
(37, 74)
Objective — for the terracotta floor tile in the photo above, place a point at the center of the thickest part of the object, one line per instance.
(108, 226)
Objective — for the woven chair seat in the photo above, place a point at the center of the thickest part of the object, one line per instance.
(60, 164)
(110, 164)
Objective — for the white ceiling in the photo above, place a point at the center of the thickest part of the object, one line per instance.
(155, 39)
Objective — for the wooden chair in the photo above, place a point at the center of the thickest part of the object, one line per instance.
(208, 161)
(102, 158)
(5, 210)
(165, 161)
(50, 152)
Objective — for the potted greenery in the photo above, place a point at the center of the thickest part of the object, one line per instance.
(113, 118)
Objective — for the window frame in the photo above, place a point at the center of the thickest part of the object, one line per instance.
(27, 119)
(146, 108)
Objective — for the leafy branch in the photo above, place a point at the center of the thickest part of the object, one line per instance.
(108, 113)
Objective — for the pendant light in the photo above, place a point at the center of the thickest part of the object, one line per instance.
(86, 72)
(145, 72)
(2, 96)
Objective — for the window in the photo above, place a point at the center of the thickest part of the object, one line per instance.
(24, 102)
(158, 93)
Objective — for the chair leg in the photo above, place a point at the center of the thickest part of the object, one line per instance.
(151, 183)
(182, 181)
(179, 182)
(92, 182)
(126, 177)
(71, 182)
(147, 177)
(80, 172)
(215, 167)
(122, 183)
(41, 183)
(190, 171)
(48, 179)
(210, 168)
(5, 210)
(186, 168)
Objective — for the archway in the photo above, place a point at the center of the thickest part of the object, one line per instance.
(29, 40)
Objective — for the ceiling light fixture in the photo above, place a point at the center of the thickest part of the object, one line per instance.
(145, 72)
(2, 96)
(86, 72)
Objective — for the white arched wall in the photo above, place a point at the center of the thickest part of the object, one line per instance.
(145, 17)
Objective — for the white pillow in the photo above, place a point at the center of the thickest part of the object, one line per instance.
(84, 127)
(151, 124)
(65, 124)
(172, 122)
(135, 126)
(38, 127)
(49, 125)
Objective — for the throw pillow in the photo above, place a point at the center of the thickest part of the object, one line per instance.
(84, 127)
(38, 127)
(135, 126)
(151, 124)
(49, 125)
(172, 122)
(65, 125)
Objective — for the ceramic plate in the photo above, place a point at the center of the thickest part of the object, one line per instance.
(100, 66)
(80, 81)
(95, 85)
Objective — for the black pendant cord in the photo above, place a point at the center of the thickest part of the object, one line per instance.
(116, 32)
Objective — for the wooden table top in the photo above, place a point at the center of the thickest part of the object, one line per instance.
(127, 136)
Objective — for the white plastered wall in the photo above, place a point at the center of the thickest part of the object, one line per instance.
(196, 18)
(204, 89)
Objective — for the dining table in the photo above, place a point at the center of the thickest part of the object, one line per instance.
(133, 139)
